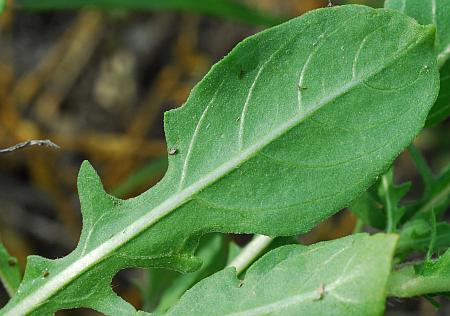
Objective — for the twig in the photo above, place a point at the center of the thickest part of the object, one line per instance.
(28, 143)
(250, 252)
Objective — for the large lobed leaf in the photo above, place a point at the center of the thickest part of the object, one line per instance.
(435, 12)
(287, 129)
(347, 276)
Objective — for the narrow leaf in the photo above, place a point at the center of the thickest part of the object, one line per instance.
(328, 278)
(438, 198)
(290, 127)
(221, 8)
(424, 170)
(9, 271)
(441, 110)
(391, 195)
(416, 235)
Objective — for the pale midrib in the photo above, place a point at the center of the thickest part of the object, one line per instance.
(290, 301)
(54, 284)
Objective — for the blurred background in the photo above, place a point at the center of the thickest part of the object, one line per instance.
(97, 84)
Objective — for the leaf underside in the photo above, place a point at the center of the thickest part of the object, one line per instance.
(328, 278)
(290, 127)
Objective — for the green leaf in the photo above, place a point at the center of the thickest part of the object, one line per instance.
(370, 209)
(392, 195)
(416, 235)
(290, 127)
(9, 271)
(327, 278)
(435, 12)
(2, 6)
(419, 280)
(380, 207)
(438, 197)
(214, 255)
(424, 170)
(441, 110)
(220, 8)
(426, 12)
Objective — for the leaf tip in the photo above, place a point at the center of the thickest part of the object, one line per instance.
(90, 189)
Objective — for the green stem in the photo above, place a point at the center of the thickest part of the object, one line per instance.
(406, 283)
(250, 252)
(432, 244)
(422, 167)
(358, 226)
(389, 211)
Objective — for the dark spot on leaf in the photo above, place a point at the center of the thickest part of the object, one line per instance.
(302, 88)
(241, 74)
(241, 283)
(45, 273)
(12, 261)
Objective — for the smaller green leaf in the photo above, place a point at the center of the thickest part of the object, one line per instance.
(2, 6)
(370, 209)
(416, 235)
(441, 109)
(213, 252)
(423, 168)
(431, 278)
(438, 198)
(392, 195)
(10, 274)
(432, 245)
(327, 278)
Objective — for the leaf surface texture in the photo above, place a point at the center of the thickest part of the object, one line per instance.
(327, 278)
(290, 127)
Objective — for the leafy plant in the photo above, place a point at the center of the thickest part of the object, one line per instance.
(293, 125)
